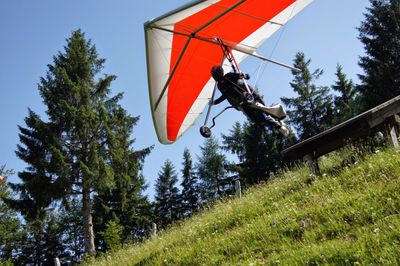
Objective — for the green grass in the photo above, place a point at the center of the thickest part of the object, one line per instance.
(345, 217)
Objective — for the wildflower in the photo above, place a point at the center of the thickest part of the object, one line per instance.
(275, 223)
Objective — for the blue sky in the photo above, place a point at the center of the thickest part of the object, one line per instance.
(32, 32)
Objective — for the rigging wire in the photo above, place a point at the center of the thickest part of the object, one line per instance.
(261, 69)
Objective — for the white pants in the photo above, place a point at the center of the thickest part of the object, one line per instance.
(276, 111)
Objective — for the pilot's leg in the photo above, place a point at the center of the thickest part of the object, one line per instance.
(277, 110)
(278, 125)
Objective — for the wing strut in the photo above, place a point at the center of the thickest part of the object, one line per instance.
(236, 48)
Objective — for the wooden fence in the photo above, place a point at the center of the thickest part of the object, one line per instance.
(383, 119)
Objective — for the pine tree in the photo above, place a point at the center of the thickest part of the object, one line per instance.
(125, 201)
(43, 241)
(70, 220)
(32, 206)
(11, 233)
(167, 195)
(234, 141)
(133, 213)
(53, 247)
(80, 149)
(345, 100)
(39, 141)
(31, 252)
(190, 195)
(311, 111)
(380, 34)
(257, 150)
(262, 154)
(112, 234)
(211, 171)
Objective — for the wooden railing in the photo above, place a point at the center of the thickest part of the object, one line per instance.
(383, 118)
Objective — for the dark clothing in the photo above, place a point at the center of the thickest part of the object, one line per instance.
(232, 89)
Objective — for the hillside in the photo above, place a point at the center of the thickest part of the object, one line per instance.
(350, 215)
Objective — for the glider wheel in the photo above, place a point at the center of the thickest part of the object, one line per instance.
(205, 131)
(248, 98)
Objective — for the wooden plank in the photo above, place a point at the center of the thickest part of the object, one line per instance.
(360, 126)
(382, 112)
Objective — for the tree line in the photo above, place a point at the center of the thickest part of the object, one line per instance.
(81, 193)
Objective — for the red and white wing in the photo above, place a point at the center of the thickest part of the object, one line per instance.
(181, 49)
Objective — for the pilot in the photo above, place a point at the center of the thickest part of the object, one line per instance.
(232, 87)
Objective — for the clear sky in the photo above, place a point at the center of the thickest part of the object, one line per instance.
(32, 32)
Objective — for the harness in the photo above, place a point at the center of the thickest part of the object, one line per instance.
(227, 51)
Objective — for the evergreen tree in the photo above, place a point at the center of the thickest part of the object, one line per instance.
(211, 171)
(311, 111)
(11, 233)
(53, 247)
(167, 195)
(234, 141)
(125, 201)
(345, 99)
(70, 220)
(380, 34)
(77, 150)
(258, 151)
(112, 234)
(43, 242)
(40, 141)
(190, 194)
(31, 252)
(261, 153)
(40, 243)
(134, 215)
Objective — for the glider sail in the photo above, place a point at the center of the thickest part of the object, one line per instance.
(182, 46)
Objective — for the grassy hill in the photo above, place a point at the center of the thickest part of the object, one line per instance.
(350, 215)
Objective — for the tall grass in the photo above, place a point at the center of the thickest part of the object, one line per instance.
(349, 215)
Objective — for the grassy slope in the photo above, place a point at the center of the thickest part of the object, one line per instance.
(346, 217)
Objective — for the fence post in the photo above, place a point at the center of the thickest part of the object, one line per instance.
(56, 261)
(238, 189)
(312, 163)
(393, 137)
(392, 132)
(154, 229)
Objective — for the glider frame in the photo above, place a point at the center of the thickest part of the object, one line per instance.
(217, 41)
(190, 36)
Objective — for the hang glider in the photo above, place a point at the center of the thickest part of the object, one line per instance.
(182, 46)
